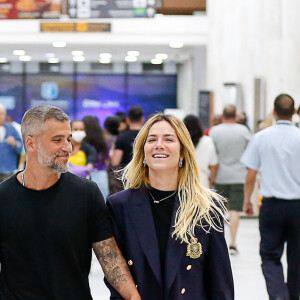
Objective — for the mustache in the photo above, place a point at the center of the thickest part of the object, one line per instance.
(66, 154)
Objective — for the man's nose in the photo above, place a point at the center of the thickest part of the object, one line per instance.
(67, 147)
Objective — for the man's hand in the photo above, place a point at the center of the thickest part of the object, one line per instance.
(248, 208)
(115, 269)
(12, 141)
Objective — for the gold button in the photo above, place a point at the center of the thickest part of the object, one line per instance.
(130, 262)
(188, 267)
(183, 291)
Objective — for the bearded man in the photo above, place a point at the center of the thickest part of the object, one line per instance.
(50, 220)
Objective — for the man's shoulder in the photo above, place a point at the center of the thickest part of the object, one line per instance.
(78, 182)
(8, 185)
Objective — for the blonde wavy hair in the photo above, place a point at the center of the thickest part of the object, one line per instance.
(198, 206)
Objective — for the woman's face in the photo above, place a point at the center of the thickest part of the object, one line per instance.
(162, 148)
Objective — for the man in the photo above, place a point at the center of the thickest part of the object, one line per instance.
(10, 146)
(122, 153)
(275, 151)
(231, 140)
(51, 219)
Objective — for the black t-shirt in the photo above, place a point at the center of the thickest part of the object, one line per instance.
(162, 217)
(124, 142)
(46, 238)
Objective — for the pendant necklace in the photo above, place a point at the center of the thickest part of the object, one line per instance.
(158, 201)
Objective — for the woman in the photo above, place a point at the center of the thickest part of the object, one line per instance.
(95, 137)
(205, 151)
(168, 226)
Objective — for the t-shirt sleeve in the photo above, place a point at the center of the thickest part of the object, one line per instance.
(120, 143)
(100, 223)
(251, 157)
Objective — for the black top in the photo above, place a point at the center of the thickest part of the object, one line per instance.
(162, 217)
(124, 142)
(46, 238)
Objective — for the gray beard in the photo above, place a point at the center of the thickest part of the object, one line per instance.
(49, 161)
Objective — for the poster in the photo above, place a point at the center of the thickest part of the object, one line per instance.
(111, 8)
(30, 9)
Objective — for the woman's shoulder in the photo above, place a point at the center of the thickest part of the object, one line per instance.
(122, 197)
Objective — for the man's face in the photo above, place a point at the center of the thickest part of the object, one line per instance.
(54, 146)
(2, 115)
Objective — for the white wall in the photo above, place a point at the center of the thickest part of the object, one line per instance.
(253, 38)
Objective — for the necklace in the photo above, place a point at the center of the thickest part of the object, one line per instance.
(158, 201)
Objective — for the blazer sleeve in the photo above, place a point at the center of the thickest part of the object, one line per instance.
(218, 274)
(114, 295)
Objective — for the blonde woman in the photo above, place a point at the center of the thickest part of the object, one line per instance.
(168, 226)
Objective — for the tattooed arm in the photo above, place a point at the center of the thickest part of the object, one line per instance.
(115, 268)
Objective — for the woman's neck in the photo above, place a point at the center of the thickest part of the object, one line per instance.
(162, 181)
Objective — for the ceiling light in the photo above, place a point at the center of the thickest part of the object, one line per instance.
(25, 58)
(77, 53)
(176, 45)
(105, 55)
(78, 58)
(133, 53)
(53, 60)
(104, 61)
(156, 61)
(161, 56)
(49, 55)
(19, 52)
(3, 60)
(130, 58)
(59, 44)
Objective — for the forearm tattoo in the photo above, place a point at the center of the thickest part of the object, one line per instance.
(113, 264)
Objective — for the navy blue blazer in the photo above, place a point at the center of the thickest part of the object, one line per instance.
(208, 277)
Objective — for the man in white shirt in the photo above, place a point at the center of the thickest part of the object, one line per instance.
(275, 151)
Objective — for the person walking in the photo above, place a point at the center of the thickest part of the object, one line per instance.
(170, 227)
(275, 152)
(231, 140)
(52, 219)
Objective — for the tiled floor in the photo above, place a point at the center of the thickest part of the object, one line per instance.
(248, 279)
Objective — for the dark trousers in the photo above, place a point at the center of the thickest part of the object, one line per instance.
(279, 222)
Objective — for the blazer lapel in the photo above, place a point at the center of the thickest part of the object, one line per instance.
(142, 220)
(175, 252)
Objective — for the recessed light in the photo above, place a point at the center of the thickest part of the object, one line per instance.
(78, 58)
(25, 58)
(133, 53)
(156, 61)
(49, 55)
(105, 55)
(19, 52)
(176, 45)
(104, 61)
(161, 56)
(53, 60)
(77, 53)
(131, 58)
(59, 44)
(3, 60)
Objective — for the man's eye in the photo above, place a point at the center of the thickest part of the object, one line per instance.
(56, 140)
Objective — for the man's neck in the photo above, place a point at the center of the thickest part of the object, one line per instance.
(228, 120)
(37, 177)
(135, 126)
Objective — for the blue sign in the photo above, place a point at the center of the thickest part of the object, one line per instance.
(49, 90)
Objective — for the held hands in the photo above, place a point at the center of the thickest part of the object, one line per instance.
(248, 208)
(12, 141)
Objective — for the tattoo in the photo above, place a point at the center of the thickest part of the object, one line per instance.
(113, 264)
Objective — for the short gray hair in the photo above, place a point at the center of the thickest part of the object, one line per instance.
(33, 121)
